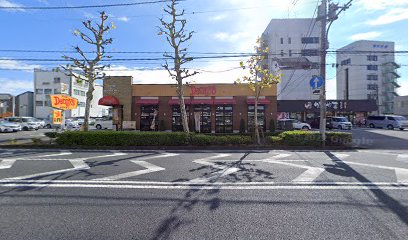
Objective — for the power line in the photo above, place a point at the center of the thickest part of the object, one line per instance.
(84, 6)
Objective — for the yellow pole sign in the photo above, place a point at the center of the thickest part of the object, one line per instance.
(63, 102)
(57, 117)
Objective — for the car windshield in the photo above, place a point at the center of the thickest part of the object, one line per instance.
(28, 120)
(400, 118)
(342, 120)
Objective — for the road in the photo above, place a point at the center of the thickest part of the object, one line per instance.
(203, 194)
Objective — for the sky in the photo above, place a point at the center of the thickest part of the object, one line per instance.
(220, 26)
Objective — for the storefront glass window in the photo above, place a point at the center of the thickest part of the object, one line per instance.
(177, 125)
(202, 118)
(251, 117)
(223, 119)
(149, 118)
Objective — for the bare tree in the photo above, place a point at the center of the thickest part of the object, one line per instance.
(90, 67)
(260, 77)
(177, 36)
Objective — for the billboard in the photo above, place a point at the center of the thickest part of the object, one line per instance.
(57, 117)
(63, 102)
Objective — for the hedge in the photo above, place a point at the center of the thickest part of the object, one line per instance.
(309, 138)
(199, 139)
(111, 138)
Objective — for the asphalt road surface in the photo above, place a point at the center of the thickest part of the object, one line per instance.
(203, 194)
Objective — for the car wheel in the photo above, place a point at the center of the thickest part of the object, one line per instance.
(48, 126)
(25, 128)
(390, 127)
(402, 129)
(372, 125)
(340, 127)
(305, 128)
(99, 127)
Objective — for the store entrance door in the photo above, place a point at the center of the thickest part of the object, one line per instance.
(202, 118)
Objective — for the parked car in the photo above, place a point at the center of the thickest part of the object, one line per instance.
(26, 123)
(6, 126)
(104, 123)
(339, 123)
(40, 122)
(387, 121)
(295, 123)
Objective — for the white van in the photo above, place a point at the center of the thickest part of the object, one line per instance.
(387, 121)
(26, 123)
(104, 123)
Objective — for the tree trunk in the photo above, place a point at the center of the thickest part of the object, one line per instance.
(184, 119)
(89, 97)
(258, 138)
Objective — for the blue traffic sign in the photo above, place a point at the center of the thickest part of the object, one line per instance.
(316, 82)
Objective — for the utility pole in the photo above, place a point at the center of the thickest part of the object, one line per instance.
(323, 48)
(326, 19)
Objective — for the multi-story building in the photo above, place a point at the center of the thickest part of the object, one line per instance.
(294, 44)
(401, 106)
(57, 82)
(6, 105)
(24, 104)
(367, 70)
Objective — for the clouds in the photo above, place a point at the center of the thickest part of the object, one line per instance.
(391, 16)
(16, 86)
(123, 19)
(365, 36)
(17, 65)
(381, 4)
(8, 3)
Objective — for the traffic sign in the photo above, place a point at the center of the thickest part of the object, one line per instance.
(317, 91)
(316, 82)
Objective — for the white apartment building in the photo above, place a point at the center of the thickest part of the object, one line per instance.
(401, 106)
(367, 70)
(294, 44)
(57, 82)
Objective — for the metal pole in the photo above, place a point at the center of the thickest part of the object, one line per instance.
(323, 19)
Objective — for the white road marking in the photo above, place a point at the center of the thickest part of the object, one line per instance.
(165, 155)
(224, 170)
(341, 156)
(401, 173)
(209, 187)
(4, 164)
(150, 168)
(8, 162)
(402, 158)
(309, 175)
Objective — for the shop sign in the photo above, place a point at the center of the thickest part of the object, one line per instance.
(332, 105)
(63, 102)
(203, 91)
(57, 117)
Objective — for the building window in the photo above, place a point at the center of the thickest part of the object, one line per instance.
(289, 40)
(82, 93)
(372, 67)
(76, 92)
(282, 53)
(177, 125)
(372, 58)
(223, 119)
(149, 118)
(372, 96)
(372, 77)
(47, 91)
(346, 62)
(47, 103)
(39, 103)
(372, 87)
(290, 53)
(308, 40)
(39, 91)
(310, 52)
(57, 80)
(281, 40)
(203, 112)
(46, 83)
(251, 117)
(57, 91)
(81, 104)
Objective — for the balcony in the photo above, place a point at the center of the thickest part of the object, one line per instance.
(393, 64)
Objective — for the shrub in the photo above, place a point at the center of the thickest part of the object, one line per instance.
(51, 134)
(201, 140)
(275, 140)
(303, 138)
(36, 141)
(110, 138)
(242, 128)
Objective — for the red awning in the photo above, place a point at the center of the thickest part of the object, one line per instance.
(251, 101)
(109, 101)
(224, 102)
(147, 101)
(202, 101)
(187, 101)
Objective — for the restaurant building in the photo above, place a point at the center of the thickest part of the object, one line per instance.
(211, 108)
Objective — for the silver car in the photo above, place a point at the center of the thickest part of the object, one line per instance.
(339, 123)
(387, 121)
(6, 126)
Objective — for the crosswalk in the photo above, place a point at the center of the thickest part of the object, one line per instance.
(263, 170)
